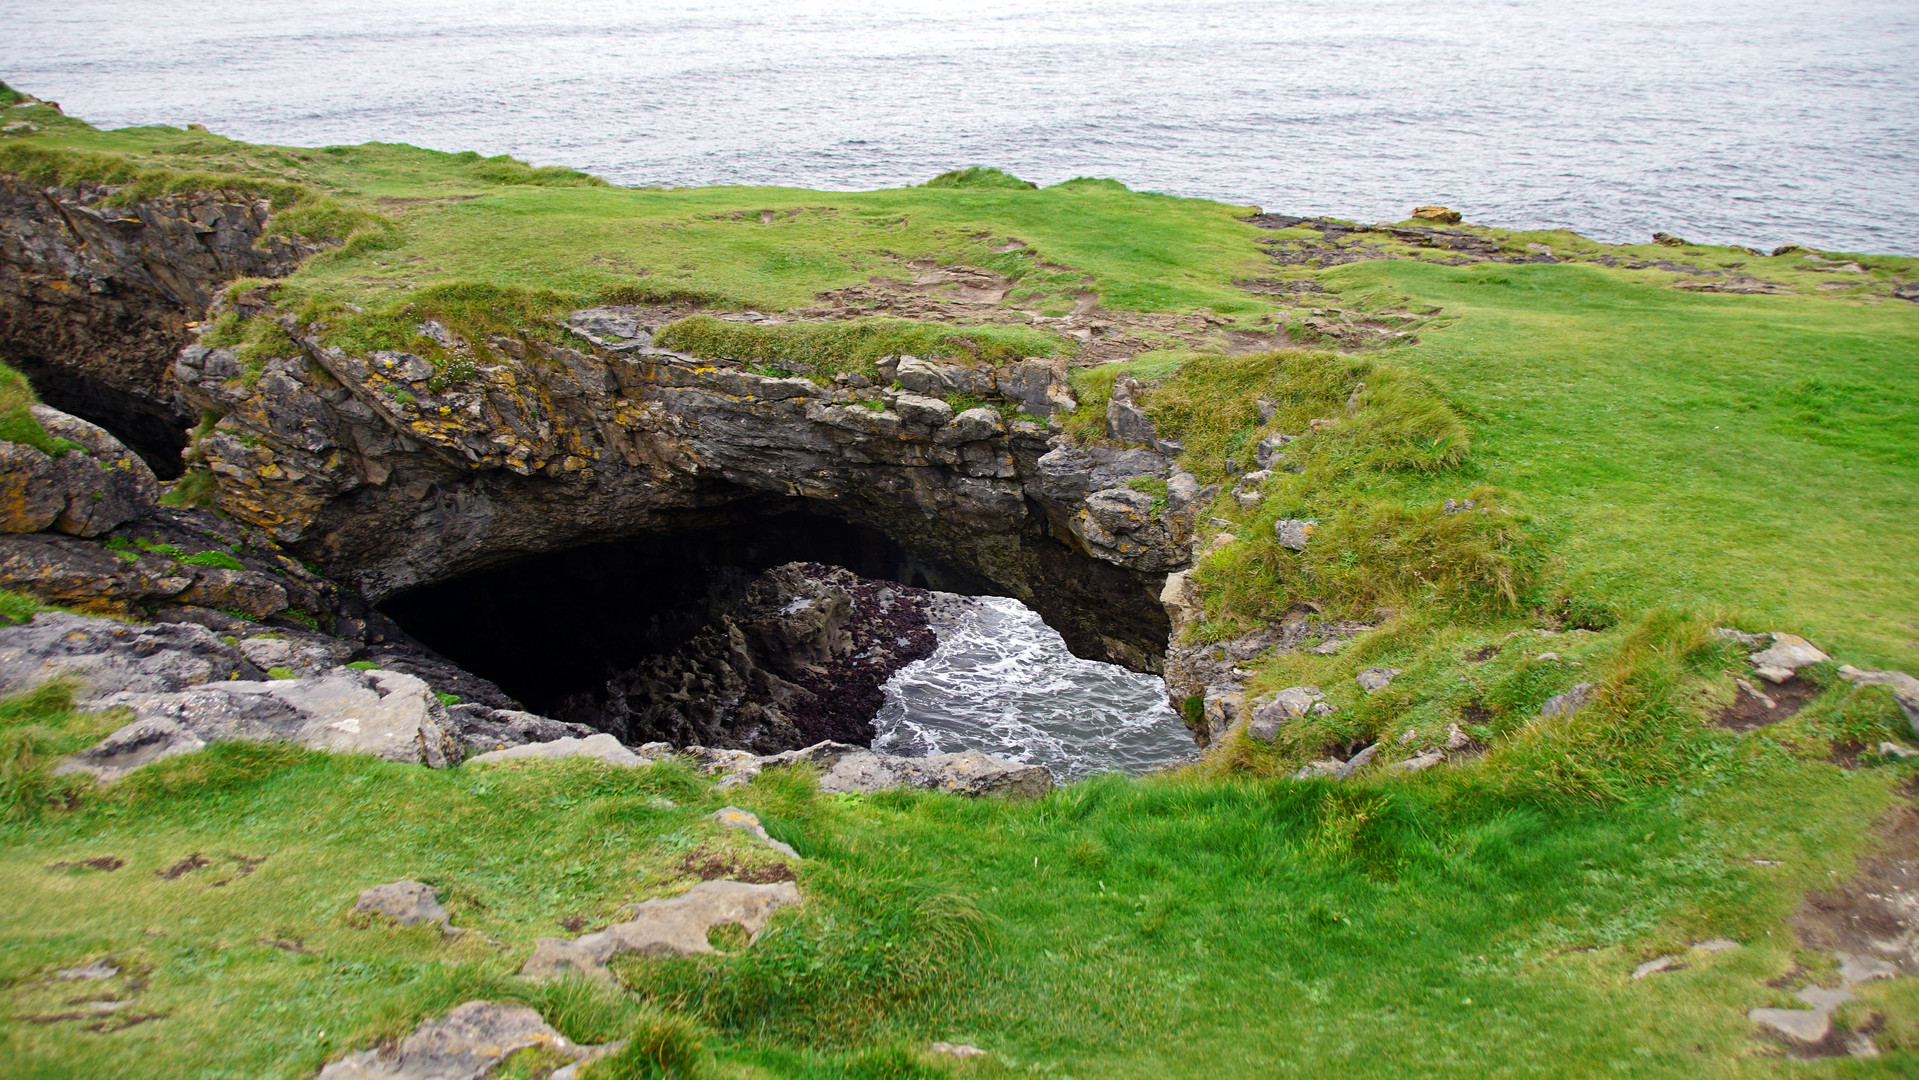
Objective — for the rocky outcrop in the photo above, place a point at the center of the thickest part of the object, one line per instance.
(469, 1042)
(798, 660)
(854, 769)
(396, 476)
(94, 485)
(95, 299)
(671, 927)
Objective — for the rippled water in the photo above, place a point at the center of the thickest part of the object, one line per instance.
(1754, 122)
(1002, 681)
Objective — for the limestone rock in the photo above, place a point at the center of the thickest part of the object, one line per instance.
(1376, 678)
(958, 1050)
(1799, 1025)
(1418, 763)
(749, 823)
(1038, 385)
(1358, 761)
(1905, 688)
(466, 1044)
(1787, 655)
(598, 745)
(1568, 703)
(671, 927)
(82, 492)
(845, 768)
(106, 656)
(1437, 213)
(1294, 533)
(383, 713)
(1221, 707)
(405, 902)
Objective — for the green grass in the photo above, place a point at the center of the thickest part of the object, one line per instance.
(1185, 926)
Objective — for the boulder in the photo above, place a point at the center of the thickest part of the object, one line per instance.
(922, 415)
(1357, 762)
(1293, 533)
(106, 656)
(1289, 704)
(405, 902)
(468, 1043)
(1376, 678)
(1437, 213)
(84, 491)
(670, 927)
(1568, 703)
(598, 745)
(1038, 385)
(383, 713)
(845, 768)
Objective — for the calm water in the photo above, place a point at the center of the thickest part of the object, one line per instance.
(1735, 121)
(1002, 681)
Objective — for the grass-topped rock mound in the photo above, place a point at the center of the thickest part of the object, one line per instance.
(406, 670)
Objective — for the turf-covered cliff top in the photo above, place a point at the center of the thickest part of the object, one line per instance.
(1707, 427)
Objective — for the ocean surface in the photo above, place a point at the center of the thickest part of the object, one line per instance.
(1756, 122)
(1002, 681)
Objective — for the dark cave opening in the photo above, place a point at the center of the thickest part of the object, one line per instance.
(149, 429)
(556, 624)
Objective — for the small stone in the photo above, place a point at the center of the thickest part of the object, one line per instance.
(1328, 647)
(1410, 736)
(1754, 692)
(405, 902)
(1457, 739)
(1800, 1025)
(99, 969)
(1787, 655)
(1547, 657)
(1653, 967)
(1713, 945)
(1857, 969)
(1568, 703)
(1293, 533)
(1358, 762)
(1419, 763)
(958, 1050)
(1374, 679)
(1894, 750)
(735, 818)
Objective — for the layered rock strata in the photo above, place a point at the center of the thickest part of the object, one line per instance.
(96, 298)
(396, 475)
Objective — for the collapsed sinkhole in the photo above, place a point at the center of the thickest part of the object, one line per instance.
(552, 629)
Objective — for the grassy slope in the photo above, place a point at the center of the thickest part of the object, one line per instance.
(1668, 449)
(1757, 453)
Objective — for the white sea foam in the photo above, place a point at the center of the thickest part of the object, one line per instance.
(1002, 681)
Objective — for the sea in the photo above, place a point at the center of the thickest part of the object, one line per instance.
(1754, 122)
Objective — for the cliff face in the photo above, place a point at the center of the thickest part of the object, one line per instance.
(395, 485)
(95, 299)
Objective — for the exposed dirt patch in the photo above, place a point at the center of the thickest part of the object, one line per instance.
(1875, 915)
(710, 866)
(1837, 1043)
(1480, 656)
(573, 924)
(1475, 712)
(188, 865)
(292, 945)
(104, 863)
(242, 866)
(1763, 706)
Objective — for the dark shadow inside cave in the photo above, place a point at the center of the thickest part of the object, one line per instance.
(555, 624)
(150, 430)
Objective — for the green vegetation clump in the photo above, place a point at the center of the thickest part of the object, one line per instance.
(223, 560)
(979, 176)
(17, 422)
(826, 348)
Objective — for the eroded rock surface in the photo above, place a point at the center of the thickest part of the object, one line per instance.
(800, 659)
(670, 927)
(465, 1044)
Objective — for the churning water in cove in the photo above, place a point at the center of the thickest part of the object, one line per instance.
(1731, 121)
(1002, 681)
